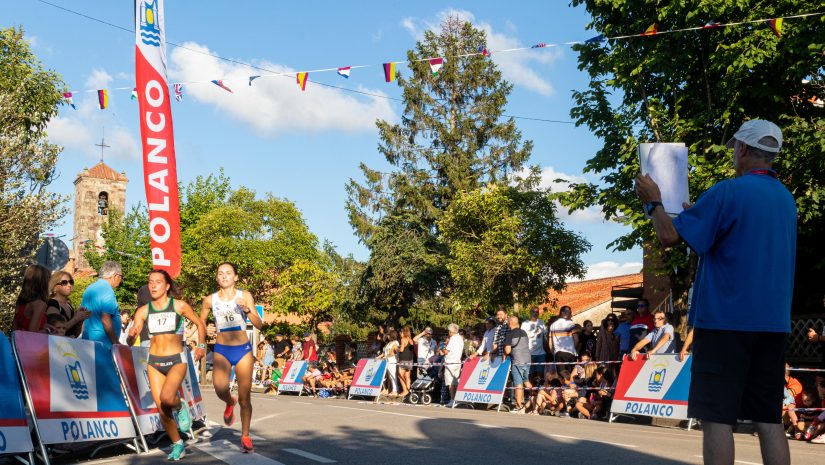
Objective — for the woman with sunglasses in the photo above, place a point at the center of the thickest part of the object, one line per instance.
(61, 285)
(660, 339)
(231, 307)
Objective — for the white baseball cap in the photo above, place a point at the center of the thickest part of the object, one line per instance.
(752, 131)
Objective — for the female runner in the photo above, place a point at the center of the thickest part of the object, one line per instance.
(167, 361)
(231, 307)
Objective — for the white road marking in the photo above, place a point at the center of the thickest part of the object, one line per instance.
(309, 455)
(482, 425)
(618, 444)
(231, 454)
(299, 402)
(266, 417)
(382, 412)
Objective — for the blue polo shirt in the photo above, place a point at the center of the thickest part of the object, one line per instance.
(100, 298)
(744, 231)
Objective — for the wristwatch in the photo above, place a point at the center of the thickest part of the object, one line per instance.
(201, 346)
(650, 206)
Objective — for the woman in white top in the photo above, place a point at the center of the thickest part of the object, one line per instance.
(231, 307)
(390, 353)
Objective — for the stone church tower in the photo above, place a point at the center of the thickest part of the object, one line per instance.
(97, 190)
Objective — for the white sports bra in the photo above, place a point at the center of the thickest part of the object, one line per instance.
(229, 316)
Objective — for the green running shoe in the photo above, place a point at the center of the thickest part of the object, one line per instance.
(178, 451)
(184, 420)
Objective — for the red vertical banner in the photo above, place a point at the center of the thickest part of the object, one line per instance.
(159, 173)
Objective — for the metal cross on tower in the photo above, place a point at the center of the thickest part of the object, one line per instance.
(102, 144)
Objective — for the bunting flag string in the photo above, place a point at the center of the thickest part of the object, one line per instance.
(134, 93)
(435, 63)
(179, 91)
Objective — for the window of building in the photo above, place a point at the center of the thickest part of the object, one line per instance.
(103, 203)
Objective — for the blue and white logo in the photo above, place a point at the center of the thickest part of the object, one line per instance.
(369, 373)
(77, 381)
(657, 380)
(483, 374)
(149, 27)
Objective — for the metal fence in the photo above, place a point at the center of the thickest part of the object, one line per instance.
(800, 351)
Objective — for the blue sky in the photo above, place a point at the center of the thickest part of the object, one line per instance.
(303, 146)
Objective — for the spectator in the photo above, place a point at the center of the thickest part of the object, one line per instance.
(275, 377)
(587, 340)
(452, 360)
(501, 332)
(815, 338)
(570, 392)
(269, 358)
(564, 337)
(104, 323)
(607, 343)
(595, 398)
(309, 349)
(125, 323)
(486, 346)
(390, 353)
(623, 331)
(61, 285)
(789, 418)
(642, 322)
(793, 384)
(808, 413)
(56, 324)
(406, 355)
(660, 339)
(425, 349)
(583, 369)
(32, 301)
(297, 350)
(312, 378)
(282, 349)
(537, 335)
(683, 353)
(470, 343)
(517, 347)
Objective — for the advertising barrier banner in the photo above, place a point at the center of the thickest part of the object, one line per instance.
(655, 387)
(131, 362)
(74, 387)
(292, 381)
(369, 374)
(191, 390)
(14, 430)
(483, 381)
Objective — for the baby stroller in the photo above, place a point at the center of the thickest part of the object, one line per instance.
(423, 387)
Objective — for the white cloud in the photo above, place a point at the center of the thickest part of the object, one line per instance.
(78, 130)
(608, 269)
(558, 181)
(274, 104)
(99, 79)
(516, 67)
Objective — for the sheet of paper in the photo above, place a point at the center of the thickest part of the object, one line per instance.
(667, 164)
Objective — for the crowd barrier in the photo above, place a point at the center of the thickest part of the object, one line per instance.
(293, 377)
(367, 379)
(78, 391)
(653, 386)
(482, 381)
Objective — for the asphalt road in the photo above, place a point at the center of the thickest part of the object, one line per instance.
(293, 430)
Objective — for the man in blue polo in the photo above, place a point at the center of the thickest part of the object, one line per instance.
(99, 298)
(744, 231)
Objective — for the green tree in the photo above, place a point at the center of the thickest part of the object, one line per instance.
(507, 247)
(697, 87)
(452, 138)
(29, 99)
(126, 242)
(306, 289)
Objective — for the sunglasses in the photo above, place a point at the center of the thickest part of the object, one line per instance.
(659, 318)
(66, 281)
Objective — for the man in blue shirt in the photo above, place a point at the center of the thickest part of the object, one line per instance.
(99, 298)
(744, 231)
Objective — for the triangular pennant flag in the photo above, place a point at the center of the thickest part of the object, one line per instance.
(178, 92)
(711, 25)
(219, 83)
(483, 50)
(389, 72)
(134, 93)
(595, 40)
(301, 79)
(776, 26)
(103, 99)
(344, 72)
(539, 45)
(252, 78)
(436, 64)
(68, 97)
(651, 30)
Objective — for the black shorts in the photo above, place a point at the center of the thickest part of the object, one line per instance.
(737, 375)
(565, 357)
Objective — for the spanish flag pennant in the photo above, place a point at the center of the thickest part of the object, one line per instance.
(103, 99)
(389, 72)
(651, 30)
(301, 79)
(776, 26)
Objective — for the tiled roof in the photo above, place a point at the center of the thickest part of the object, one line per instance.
(584, 295)
(103, 171)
